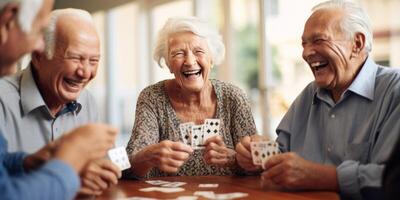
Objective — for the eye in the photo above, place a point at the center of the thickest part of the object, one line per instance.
(177, 54)
(94, 61)
(318, 40)
(199, 51)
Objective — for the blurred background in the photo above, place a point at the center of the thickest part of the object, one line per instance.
(263, 43)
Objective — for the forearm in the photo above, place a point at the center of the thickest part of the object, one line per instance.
(323, 177)
(55, 180)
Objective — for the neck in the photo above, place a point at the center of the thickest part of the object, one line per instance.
(200, 98)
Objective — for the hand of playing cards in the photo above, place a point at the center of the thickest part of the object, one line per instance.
(119, 157)
(261, 151)
(195, 135)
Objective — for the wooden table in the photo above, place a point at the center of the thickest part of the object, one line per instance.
(227, 184)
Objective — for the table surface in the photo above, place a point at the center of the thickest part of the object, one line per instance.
(227, 184)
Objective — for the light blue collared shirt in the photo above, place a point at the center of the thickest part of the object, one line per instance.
(27, 121)
(356, 134)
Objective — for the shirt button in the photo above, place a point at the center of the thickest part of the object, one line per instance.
(333, 116)
(329, 149)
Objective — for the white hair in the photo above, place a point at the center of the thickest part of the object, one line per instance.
(356, 19)
(51, 29)
(28, 10)
(188, 24)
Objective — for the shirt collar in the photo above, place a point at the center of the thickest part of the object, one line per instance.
(32, 99)
(363, 84)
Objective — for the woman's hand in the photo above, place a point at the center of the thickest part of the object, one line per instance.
(167, 155)
(216, 152)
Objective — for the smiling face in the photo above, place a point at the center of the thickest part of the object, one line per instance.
(328, 51)
(189, 59)
(74, 63)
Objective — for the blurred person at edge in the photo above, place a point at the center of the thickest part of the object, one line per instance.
(340, 130)
(189, 47)
(53, 171)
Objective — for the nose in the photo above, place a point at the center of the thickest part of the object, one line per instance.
(190, 59)
(84, 70)
(308, 51)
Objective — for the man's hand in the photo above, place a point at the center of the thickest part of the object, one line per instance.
(216, 153)
(243, 152)
(84, 144)
(37, 159)
(97, 176)
(290, 171)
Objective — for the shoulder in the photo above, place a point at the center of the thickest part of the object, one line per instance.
(154, 91)
(306, 97)
(227, 89)
(388, 80)
(9, 87)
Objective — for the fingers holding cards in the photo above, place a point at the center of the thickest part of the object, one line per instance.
(262, 151)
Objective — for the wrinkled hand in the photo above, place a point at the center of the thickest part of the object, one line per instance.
(84, 144)
(243, 152)
(216, 153)
(290, 171)
(167, 155)
(37, 159)
(98, 176)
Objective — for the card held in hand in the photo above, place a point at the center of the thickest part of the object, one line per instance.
(119, 157)
(197, 136)
(262, 151)
(186, 132)
(211, 128)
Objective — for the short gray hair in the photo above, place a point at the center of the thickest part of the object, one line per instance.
(51, 29)
(356, 19)
(28, 10)
(188, 24)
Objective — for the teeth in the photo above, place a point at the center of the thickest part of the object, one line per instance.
(187, 73)
(315, 64)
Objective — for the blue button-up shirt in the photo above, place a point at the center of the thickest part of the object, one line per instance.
(356, 134)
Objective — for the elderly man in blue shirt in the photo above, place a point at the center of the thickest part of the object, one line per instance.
(341, 128)
(52, 172)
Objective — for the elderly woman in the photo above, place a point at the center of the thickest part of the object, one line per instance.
(189, 48)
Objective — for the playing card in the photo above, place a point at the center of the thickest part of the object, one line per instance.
(162, 189)
(157, 182)
(208, 185)
(173, 184)
(205, 194)
(262, 151)
(119, 157)
(197, 136)
(186, 132)
(211, 128)
(233, 195)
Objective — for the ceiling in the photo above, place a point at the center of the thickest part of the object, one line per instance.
(89, 5)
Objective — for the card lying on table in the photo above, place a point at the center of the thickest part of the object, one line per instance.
(119, 157)
(262, 151)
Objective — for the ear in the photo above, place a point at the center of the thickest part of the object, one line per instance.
(8, 15)
(36, 58)
(358, 44)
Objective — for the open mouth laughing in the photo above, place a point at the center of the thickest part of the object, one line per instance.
(191, 73)
(318, 65)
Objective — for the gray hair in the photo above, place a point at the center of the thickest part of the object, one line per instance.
(356, 19)
(50, 31)
(28, 10)
(188, 24)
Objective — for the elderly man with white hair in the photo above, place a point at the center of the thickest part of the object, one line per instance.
(53, 171)
(48, 99)
(340, 130)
